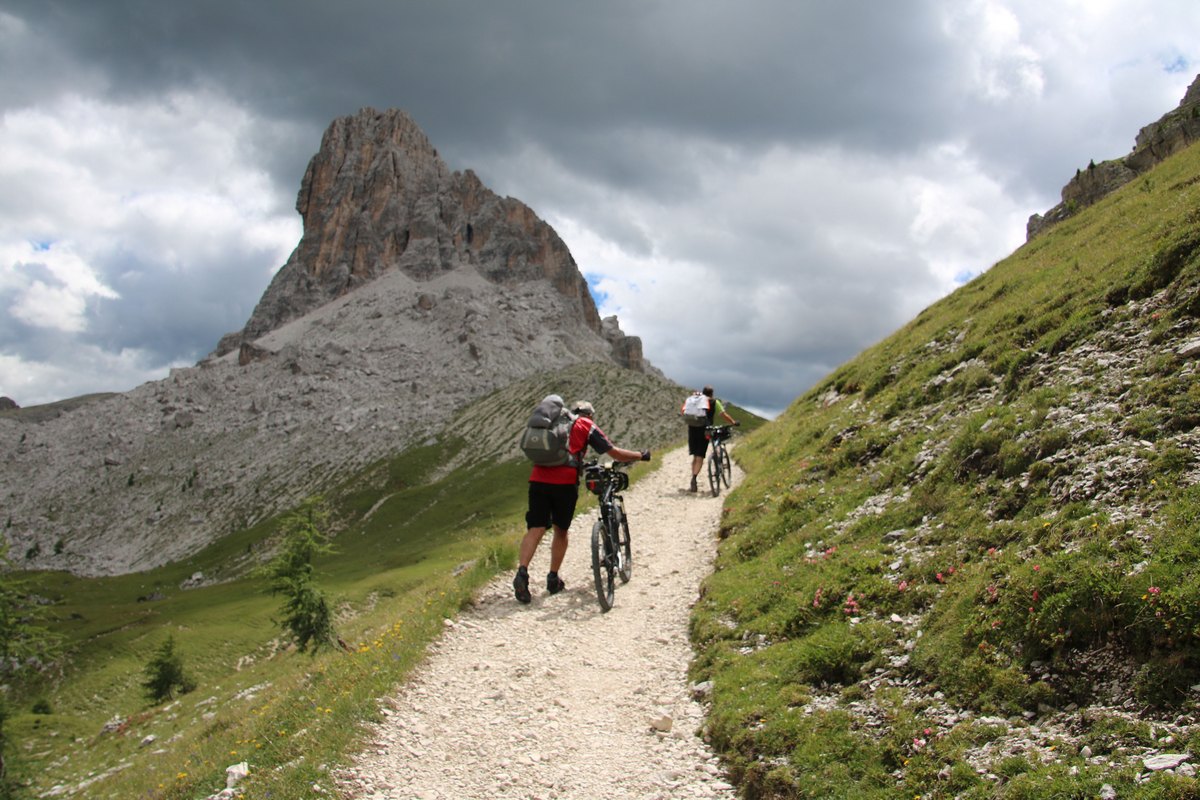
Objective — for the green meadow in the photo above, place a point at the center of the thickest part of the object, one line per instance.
(966, 563)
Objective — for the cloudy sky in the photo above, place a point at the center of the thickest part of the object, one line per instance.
(759, 189)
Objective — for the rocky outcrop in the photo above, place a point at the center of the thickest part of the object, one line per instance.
(1176, 130)
(626, 350)
(377, 197)
(1160, 140)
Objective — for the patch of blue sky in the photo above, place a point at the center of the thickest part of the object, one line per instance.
(964, 276)
(593, 280)
(1176, 65)
(41, 246)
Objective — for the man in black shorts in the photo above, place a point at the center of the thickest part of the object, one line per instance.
(698, 437)
(553, 492)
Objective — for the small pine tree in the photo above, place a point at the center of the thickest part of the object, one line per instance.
(305, 612)
(164, 673)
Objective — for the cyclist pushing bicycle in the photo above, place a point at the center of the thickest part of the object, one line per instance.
(700, 411)
(553, 493)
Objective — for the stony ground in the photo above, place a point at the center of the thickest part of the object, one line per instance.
(556, 699)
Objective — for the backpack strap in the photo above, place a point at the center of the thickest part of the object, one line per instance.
(577, 455)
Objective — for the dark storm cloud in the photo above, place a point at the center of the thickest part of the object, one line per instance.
(478, 75)
(174, 316)
(807, 175)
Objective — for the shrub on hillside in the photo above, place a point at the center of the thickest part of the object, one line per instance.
(164, 673)
(306, 615)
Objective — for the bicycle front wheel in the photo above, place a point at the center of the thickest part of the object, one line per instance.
(603, 561)
(714, 471)
(726, 467)
(624, 548)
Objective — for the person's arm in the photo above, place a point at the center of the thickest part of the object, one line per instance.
(721, 410)
(601, 444)
(621, 454)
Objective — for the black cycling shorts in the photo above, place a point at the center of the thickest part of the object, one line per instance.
(551, 503)
(697, 441)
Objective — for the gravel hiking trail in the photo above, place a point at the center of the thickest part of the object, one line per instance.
(555, 699)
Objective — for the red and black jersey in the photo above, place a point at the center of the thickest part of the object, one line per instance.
(584, 433)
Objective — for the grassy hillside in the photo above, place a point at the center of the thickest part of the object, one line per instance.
(415, 537)
(966, 564)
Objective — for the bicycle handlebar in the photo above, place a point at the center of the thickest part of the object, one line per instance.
(614, 465)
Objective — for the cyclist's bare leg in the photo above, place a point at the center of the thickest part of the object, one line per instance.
(558, 548)
(529, 545)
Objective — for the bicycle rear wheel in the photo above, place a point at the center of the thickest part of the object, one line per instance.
(726, 467)
(624, 547)
(603, 565)
(714, 471)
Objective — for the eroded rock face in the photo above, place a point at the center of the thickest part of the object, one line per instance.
(1174, 131)
(377, 197)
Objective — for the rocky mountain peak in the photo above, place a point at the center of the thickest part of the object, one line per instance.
(377, 197)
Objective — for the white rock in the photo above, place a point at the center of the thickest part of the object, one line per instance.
(1164, 761)
(662, 723)
(235, 774)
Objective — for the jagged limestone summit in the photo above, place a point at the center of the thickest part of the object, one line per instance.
(413, 292)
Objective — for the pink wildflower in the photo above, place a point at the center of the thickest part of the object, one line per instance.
(851, 605)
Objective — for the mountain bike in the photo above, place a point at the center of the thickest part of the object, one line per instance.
(720, 468)
(612, 554)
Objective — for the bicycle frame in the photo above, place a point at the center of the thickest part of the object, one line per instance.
(607, 490)
(611, 551)
(719, 467)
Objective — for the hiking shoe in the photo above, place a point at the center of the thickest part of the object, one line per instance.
(521, 586)
(554, 584)
(692, 488)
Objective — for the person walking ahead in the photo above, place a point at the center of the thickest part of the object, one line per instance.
(553, 493)
(698, 438)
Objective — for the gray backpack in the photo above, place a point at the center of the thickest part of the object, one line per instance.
(695, 410)
(548, 434)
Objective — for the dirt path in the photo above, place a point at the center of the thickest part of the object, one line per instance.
(556, 699)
